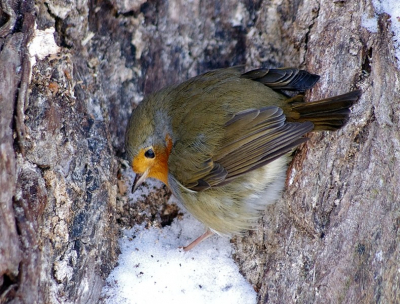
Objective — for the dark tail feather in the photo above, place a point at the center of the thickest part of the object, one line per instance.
(326, 114)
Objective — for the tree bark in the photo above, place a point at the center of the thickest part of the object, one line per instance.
(334, 235)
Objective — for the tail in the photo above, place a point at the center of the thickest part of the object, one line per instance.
(327, 114)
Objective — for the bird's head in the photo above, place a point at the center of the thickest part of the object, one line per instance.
(148, 146)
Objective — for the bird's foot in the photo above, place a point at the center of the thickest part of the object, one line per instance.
(197, 241)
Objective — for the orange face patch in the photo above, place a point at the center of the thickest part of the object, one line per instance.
(157, 167)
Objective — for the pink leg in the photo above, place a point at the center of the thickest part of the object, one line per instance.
(197, 241)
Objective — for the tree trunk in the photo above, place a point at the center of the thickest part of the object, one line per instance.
(334, 235)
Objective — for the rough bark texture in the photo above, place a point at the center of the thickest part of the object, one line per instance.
(334, 237)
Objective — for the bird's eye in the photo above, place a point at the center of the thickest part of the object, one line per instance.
(149, 153)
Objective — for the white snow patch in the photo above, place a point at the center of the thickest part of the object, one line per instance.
(370, 23)
(153, 269)
(392, 8)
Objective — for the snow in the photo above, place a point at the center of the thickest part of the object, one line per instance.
(153, 269)
(392, 8)
(370, 23)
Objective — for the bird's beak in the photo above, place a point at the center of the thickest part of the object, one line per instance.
(139, 179)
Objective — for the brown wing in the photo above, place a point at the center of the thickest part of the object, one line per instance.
(253, 138)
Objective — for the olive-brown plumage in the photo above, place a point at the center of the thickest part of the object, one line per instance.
(221, 140)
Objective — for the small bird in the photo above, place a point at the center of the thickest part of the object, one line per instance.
(221, 141)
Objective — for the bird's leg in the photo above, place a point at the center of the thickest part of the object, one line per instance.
(197, 241)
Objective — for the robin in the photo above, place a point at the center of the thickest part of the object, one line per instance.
(221, 141)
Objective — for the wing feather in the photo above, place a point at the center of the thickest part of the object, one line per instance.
(253, 138)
